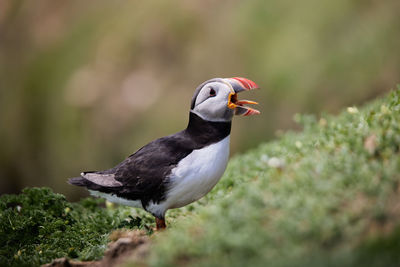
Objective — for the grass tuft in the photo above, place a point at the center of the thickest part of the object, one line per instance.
(38, 226)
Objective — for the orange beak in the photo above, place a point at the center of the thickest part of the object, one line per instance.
(240, 84)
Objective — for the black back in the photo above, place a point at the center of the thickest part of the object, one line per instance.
(143, 175)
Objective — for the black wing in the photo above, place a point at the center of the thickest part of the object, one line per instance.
(143, 175)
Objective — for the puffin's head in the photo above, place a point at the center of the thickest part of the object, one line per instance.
(216, 99)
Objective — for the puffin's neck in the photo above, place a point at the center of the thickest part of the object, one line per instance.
(207, 132)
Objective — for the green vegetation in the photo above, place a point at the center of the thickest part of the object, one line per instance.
(38, 226)
(327, 196)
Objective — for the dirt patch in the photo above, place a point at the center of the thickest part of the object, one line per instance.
(132, 245)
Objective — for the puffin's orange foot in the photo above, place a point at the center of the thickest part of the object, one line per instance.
(160, 224)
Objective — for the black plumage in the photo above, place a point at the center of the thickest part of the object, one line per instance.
(144, 175)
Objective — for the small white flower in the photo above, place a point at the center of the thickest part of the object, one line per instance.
(385, 109)
(352, 110)
(276, 163)
(298, 144)
(322, 122)
(109, 205)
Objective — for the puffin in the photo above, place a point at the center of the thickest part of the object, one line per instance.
(176, 170)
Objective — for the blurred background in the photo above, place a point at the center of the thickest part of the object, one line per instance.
(83, 84)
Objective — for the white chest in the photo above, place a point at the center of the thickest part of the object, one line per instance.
(197, 174)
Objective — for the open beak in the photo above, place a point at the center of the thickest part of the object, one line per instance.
(240, 84)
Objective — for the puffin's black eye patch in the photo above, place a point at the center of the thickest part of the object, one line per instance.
(212, 92)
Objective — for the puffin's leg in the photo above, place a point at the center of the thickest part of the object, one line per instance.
(160, 224)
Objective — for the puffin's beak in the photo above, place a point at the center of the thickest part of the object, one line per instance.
(240, 84)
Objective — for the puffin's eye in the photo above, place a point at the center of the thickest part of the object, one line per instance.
(212, 92)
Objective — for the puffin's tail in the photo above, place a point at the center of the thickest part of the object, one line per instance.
(79, 181)
(96, 181)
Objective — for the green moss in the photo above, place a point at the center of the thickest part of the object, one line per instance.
(39, 225)
(325, 196)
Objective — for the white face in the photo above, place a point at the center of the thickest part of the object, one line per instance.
(211, 103)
